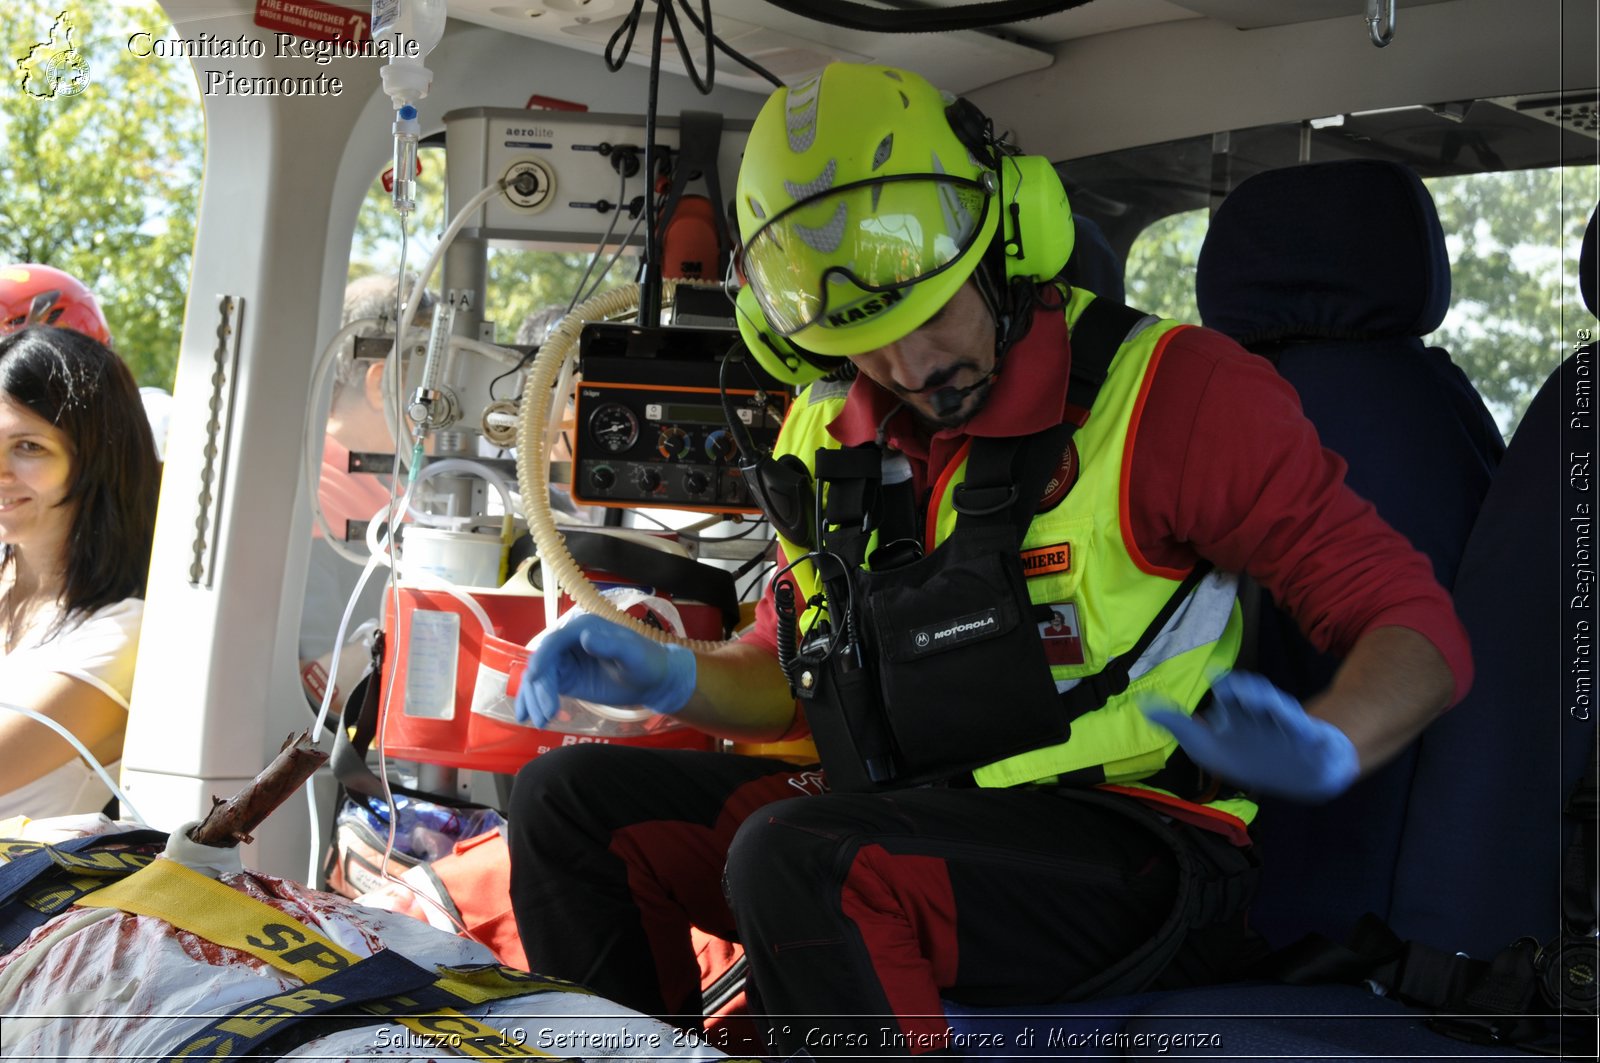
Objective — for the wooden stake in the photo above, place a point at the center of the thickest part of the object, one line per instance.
(230, 822)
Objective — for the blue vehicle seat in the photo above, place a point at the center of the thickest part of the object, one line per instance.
(1093, 265)
(1335, 271)
(1490, 763)
(1482, 840)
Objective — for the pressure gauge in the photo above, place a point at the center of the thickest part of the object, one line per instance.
(614, 427)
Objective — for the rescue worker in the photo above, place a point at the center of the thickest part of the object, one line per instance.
(972, 859)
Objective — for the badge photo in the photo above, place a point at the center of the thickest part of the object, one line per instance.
(1063, 638)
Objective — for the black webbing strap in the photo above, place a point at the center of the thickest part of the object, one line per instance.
(1096, 337)
(27, 861)
(993, 490)
(899, 536)
(852, 477)
(1095, 690)
(989, 492)
(1494, 1001)
(353, 736)
(1005, 477)
(699, 142)
(284, 1017)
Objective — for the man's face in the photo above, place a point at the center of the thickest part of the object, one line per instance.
(932, 367)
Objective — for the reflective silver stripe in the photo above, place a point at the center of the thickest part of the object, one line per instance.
(821, 183)
(1199, 621)
(800, 115)
(1139, 326)
(825, 390)
(824, 239)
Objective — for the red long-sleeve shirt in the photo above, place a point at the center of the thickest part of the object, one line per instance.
(1225, 466)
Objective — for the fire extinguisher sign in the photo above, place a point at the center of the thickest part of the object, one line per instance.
(314, 20)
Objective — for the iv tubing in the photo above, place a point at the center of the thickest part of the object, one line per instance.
(88, 757)
(314, 436)
(533, 466)
(446, 466)
(409, 313)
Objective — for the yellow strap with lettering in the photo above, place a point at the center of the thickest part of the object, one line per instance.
(190, 901)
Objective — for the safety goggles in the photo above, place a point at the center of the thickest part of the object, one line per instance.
(827, 253)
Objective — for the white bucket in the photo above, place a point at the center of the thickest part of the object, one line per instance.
(467, 559)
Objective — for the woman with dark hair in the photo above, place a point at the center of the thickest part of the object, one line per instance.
(78, 479)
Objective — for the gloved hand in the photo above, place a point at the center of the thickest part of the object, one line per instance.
(1260, 738)
(593, 659)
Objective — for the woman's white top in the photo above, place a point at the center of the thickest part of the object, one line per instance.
(98, 649)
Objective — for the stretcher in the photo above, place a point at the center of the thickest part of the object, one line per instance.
(128, 945)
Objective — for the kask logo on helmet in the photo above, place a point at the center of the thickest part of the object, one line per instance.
(877, 304)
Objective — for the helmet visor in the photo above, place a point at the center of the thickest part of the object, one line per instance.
(817, 258)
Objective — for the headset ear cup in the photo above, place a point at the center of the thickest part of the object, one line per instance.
(1037, 219)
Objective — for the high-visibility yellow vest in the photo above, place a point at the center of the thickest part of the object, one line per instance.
(1078, 560)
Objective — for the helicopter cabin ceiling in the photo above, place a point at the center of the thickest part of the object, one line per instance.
(791, 45)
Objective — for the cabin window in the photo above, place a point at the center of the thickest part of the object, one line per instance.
(1513, 239)
(1160, 271)
(1502, 174)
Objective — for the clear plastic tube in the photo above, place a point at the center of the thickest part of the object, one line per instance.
(450, 466)
(83, 751)
(409, 314)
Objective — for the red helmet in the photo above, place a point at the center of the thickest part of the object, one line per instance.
(43, 295)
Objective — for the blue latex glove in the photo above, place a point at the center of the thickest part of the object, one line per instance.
(1259, 738)
(593, 659)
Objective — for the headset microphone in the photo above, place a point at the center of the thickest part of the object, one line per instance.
(946, 401)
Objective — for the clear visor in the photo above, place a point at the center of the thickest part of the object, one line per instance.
(814, 260)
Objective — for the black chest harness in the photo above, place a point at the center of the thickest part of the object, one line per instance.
(930, 666)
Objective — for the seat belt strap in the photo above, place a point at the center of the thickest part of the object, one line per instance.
(26, 861)
(190, 901)
(242, 1031)
(40, 881)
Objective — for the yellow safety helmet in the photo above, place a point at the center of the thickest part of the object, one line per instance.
(865, 200)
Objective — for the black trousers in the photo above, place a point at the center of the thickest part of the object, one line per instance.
(859, 913)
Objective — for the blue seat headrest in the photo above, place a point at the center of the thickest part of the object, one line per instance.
(1094, 266)
(1336, 250)
(1586, 266)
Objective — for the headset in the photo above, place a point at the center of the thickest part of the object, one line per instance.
(1033, 244)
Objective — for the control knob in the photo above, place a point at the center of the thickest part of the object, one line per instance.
(673, 442)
